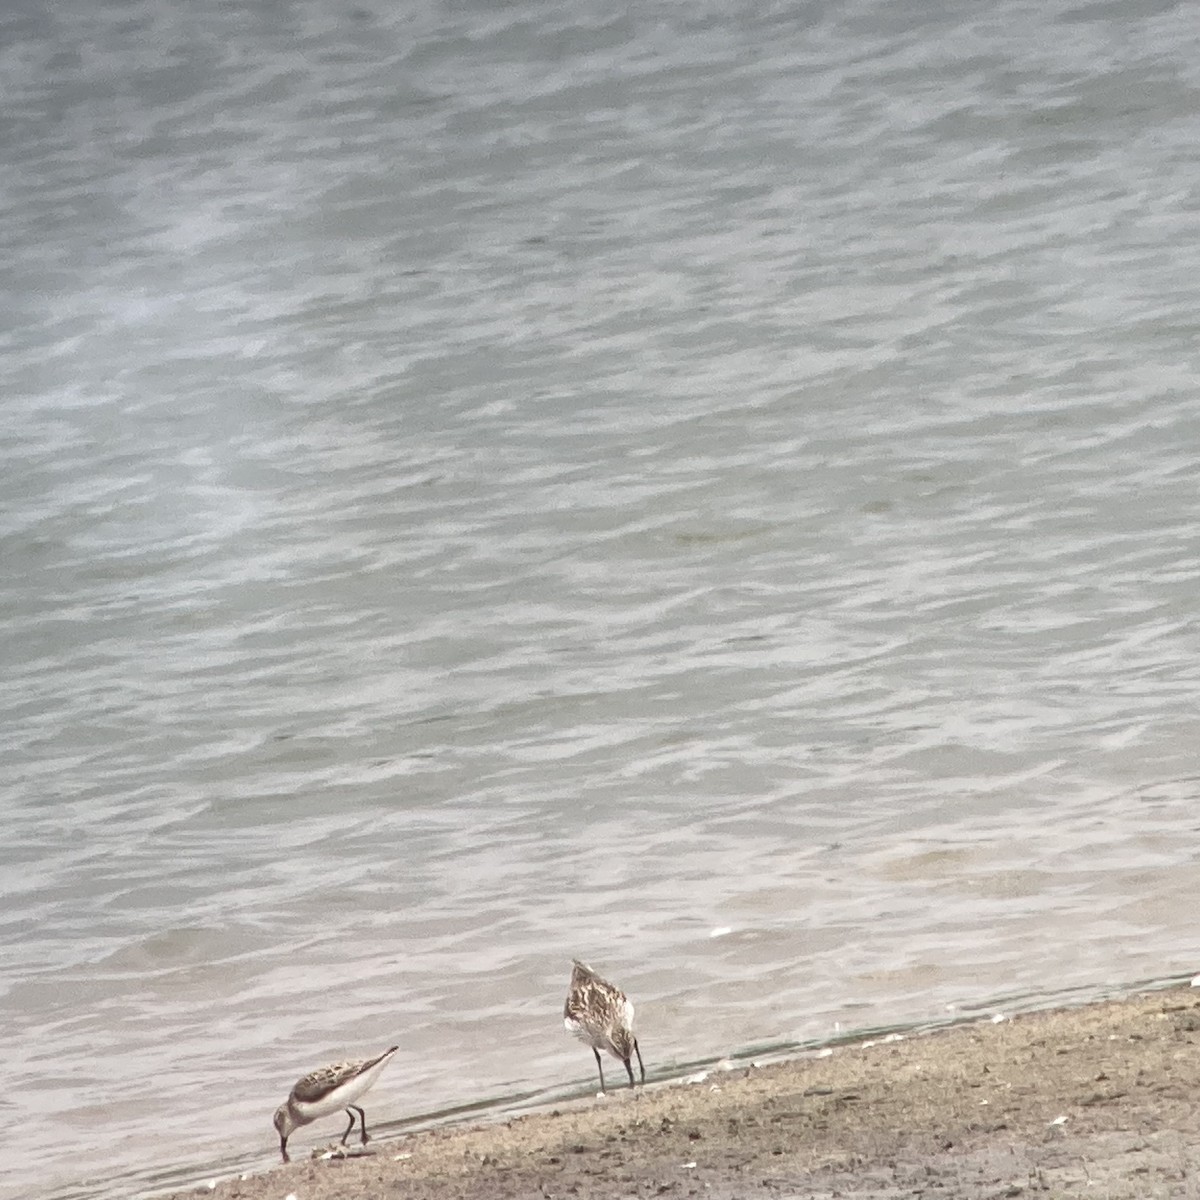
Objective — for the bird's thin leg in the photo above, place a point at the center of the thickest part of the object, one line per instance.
(629, 1068)
(362, 1120)
(599, 1067)
(283, 1149)
(640, 1063)
(348, 1128)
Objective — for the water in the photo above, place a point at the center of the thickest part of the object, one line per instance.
(708, 489)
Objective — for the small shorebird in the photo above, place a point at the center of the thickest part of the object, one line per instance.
(600, 1014)
(324, 1091)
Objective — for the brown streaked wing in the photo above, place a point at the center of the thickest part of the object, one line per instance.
(593, 999)
(319, 1083)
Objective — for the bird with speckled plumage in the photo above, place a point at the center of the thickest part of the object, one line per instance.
(324, 1091)
(600, 1014)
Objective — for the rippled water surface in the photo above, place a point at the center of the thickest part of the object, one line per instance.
(711, 489)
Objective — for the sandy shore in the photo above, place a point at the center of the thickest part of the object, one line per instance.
(1098, 1101)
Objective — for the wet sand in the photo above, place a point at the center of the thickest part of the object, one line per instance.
(1096, 1101)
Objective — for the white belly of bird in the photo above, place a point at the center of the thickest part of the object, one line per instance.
(341, 1096)
(599, 1038)
(584, 1034)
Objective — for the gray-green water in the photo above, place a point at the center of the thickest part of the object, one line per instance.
(711, 489)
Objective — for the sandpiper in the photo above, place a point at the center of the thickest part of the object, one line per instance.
(600, 1014)
(324, 1091)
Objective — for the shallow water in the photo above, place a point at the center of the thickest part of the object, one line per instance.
(707, 490)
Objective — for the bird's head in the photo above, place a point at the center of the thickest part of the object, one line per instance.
(284, 1124)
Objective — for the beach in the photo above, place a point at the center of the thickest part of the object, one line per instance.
(1096, 1100)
